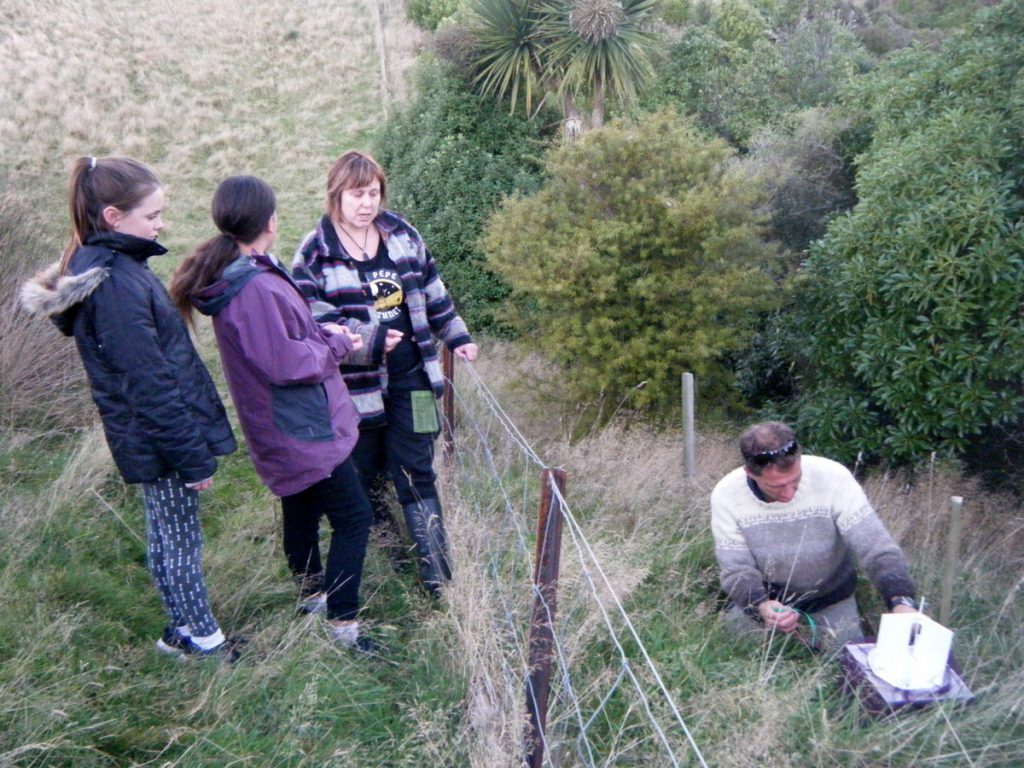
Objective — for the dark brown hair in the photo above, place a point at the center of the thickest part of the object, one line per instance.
(352, 169)
(769, 437)
(96, 183)
(242, 207)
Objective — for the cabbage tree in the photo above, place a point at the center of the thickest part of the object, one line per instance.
(581, 51)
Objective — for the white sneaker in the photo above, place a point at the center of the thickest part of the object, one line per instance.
(314, 603)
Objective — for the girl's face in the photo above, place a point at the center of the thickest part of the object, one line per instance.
(359, 205)
(141, 221)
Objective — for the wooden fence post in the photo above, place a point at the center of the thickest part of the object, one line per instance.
(689, 431)
(542, 634)
(448, 406)
(952, 555)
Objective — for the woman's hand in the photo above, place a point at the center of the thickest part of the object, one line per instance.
(343, 330)
(392, 339)
(202, 485)
(466, 352)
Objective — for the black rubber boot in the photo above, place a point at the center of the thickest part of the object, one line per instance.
(426, 528)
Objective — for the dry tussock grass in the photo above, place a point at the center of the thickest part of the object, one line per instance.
(200, 90)
(626, 485)
(41, 381)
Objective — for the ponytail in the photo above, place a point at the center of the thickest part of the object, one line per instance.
(199, 270)
(242, 208)
(95, 184)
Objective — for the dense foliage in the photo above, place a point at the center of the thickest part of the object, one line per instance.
(451, 157)
(637, 260)
(913, 301)
(746, 69)
(429, 13)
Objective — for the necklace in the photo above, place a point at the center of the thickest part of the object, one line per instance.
(366, 237)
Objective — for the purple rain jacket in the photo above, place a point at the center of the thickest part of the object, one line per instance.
(282, 371)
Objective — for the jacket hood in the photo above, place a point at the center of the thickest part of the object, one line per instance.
(214, 297)
(49, 293)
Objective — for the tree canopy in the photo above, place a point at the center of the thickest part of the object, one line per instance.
(912, 311)
(638, 259)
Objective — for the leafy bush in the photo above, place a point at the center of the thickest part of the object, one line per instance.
(802, 164)
(429, 13)
(637, 260)
(738, 76)
(451, 157)
(912, 303)
(676, 12)
(740, 22)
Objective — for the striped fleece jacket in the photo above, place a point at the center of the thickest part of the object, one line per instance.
(329, 278)
(803, 551)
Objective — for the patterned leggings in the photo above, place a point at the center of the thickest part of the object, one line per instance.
(175, 553)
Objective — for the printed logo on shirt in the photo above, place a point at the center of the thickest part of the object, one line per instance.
(386, 292)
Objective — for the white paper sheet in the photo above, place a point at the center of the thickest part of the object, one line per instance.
(911, 652)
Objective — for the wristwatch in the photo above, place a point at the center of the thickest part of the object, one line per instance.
(902, 600)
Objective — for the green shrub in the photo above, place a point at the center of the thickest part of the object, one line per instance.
(803, 165)
(736, 82)
(429, 13)
(676, 12)
(451, 157)
(912, 302)
(740, 22)
(637, 260)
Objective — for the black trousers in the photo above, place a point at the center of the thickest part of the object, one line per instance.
(396, 452)
(339, 496)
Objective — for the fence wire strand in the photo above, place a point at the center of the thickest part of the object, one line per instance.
(487, 424)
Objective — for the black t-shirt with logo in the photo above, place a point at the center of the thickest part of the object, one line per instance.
(385, 288)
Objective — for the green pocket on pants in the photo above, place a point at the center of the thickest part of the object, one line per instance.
(424, 412)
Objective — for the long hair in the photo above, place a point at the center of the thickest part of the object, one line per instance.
(96, 183)
(242, 207)
(352, 169)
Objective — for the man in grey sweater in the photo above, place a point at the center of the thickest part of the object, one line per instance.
(789, 531)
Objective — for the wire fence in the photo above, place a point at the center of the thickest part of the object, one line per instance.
(608, 702)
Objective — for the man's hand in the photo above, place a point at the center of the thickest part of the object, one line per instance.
(202, 485)
(903, 609)
(777, 616)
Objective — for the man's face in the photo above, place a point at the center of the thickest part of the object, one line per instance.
(778, 484)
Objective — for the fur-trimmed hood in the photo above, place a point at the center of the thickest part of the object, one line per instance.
(49, 293)
(57, 296)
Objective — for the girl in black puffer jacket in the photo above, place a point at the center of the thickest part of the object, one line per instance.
(163, 419)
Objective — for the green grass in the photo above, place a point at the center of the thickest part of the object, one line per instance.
(202, 89)
(98, 694)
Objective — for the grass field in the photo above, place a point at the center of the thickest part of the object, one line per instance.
(201, 90)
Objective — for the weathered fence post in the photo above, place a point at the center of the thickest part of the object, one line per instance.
(952, 555)
(448, 406)
(545, 579)
(689, 432)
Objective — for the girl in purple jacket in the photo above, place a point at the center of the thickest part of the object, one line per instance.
(281, 367)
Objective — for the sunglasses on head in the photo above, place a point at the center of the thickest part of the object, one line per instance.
(765, 458)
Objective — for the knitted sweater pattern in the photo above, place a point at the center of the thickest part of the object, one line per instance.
(804, 551)
(330, 279)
